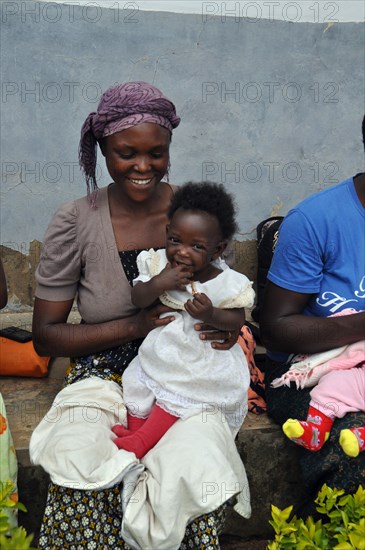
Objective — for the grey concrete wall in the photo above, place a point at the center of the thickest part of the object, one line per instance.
(272, 109)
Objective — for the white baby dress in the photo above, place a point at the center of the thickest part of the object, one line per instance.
(185, 374)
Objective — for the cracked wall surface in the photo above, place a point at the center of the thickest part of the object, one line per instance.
(20, 269)
(272, 109)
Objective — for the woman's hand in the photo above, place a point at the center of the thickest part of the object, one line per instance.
(221, 339)
(149, 318)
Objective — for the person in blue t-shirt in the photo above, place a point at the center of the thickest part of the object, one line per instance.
(318, 270)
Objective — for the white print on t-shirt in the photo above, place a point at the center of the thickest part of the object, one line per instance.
(362, 289)
(336, 301)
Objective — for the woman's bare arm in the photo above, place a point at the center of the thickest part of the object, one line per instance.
(53, 336)
(228, 319)
(284, 327)
(3, 288)
(145, 294)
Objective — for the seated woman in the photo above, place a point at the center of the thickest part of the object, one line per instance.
(90, 250)
(318, 269)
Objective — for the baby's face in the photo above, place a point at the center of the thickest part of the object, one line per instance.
(193, 240)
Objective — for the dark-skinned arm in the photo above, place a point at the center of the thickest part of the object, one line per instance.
(201, 308)
(146, 293)
(53, 336)
(227, 319)
(284, 327)
(3, 288)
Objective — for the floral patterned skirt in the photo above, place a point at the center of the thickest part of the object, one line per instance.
(78, 520)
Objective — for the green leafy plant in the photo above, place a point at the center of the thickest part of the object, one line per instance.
(11, 538)
(343, 527)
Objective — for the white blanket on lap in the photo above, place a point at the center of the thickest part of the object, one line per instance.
(74, 441)
(192, 470)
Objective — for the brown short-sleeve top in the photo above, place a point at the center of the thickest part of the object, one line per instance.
(80, 257)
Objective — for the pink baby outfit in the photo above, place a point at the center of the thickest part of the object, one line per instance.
(340, 392)
(338, 377)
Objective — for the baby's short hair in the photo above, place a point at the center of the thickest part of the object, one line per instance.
(208, 197)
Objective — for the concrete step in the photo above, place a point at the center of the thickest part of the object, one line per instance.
(270, 460)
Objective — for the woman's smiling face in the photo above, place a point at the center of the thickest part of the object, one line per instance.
(137, 158)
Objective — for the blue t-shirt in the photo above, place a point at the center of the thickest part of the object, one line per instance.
(321, 251)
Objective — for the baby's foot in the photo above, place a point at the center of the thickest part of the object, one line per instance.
(133, 444)
(307, 434)
(312, 433)
(352, 441)
(120, 430)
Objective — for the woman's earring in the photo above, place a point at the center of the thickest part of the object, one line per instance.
(167, 173)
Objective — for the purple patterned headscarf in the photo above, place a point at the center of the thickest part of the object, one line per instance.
(121, 107)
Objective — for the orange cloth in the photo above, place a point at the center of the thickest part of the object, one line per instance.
(256, 391)
(21, 359)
